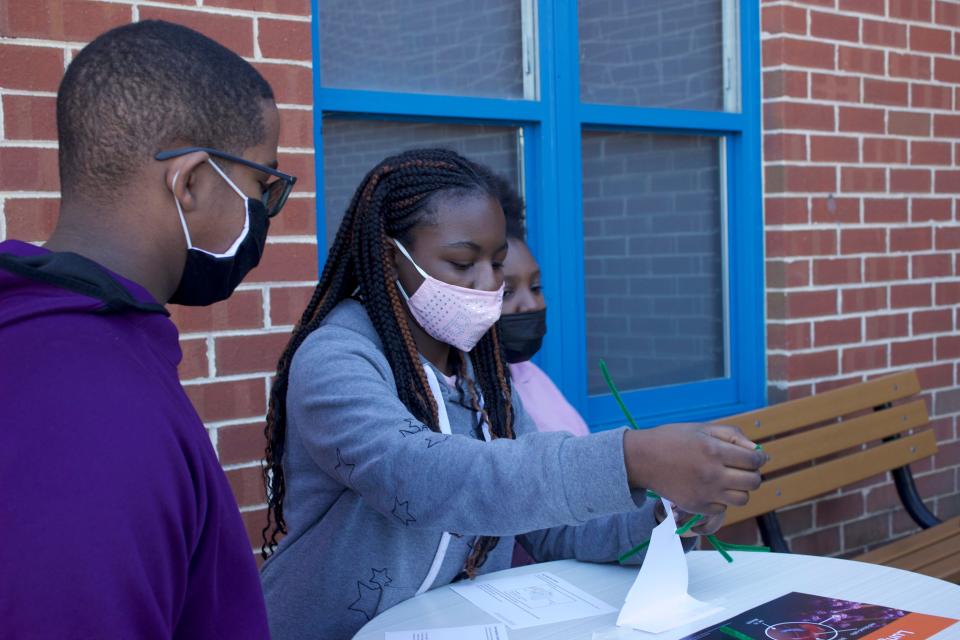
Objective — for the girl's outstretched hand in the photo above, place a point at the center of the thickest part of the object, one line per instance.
(702, 468)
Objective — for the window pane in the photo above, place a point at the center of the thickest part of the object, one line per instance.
(352, 147)
(453, 47)
(652, 53)
(653, 258)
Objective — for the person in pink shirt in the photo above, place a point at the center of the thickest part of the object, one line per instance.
(523, 324)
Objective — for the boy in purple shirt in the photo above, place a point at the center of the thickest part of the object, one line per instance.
(117, 520)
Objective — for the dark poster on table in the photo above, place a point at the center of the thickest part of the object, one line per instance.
(801, 616)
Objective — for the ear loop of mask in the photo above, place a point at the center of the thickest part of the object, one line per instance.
(423, 273)
(403, 250)
(229, 253)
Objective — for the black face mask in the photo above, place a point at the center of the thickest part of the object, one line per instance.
(522, 334)
(208, 278)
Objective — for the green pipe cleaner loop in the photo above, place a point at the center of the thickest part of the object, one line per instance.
(616, 394)
(733, 633)
(637, 549)
(686, 527)
(719, 546)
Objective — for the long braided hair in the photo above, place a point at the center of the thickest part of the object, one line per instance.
(395, 196)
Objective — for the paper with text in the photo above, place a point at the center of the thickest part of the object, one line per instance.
(477, 632)
(532, 599)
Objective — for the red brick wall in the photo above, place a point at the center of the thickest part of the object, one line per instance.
(862, 146)
(230, 349)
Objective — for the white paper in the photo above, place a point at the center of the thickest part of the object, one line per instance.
(532, 599)
(478, 632)
(658, 600)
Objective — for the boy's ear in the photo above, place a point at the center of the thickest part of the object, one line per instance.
(180, 176)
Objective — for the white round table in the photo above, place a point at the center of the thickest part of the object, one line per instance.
(752, 579)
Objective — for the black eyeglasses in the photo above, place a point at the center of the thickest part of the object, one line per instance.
(274, 195)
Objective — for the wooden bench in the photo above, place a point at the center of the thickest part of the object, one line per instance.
(825, 442)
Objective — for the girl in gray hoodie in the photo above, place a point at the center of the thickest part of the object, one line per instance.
(399, 457)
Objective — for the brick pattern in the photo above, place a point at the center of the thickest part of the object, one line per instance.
(230, 349)
(862, 146)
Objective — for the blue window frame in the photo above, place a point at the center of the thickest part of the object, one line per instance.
(552, 129)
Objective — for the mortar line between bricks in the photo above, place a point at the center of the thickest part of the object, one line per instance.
(30, 195)
(860, 44)
(855, 194)
(241, 465)
(839, 133)
(233, 333)
(211, 357)
(856, 75)
(233, 422)
(886, 19)
(256, 286)
(866, 75)
(29, 144)
(864, 315)
(213, 435)
(850, 316)
(875, 342)
(878, 195)
(207, 9)
(45, 43)
(265, 300)
(292, 240)
(257, 53)
(868, 226)
(767, 36)
(852, 164)
(235, 377)
(4, 91)
(304, 64)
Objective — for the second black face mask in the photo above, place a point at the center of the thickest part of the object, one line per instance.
(208, 278)
(522, 334)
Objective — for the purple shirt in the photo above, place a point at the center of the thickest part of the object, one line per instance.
(544, 402)
(116, 519)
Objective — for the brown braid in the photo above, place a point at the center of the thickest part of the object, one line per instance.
(396, 306)
(394, 197)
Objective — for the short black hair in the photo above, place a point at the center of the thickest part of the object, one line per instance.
(511, 203)
(145, 87)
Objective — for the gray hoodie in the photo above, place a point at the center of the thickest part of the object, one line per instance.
(370, 490)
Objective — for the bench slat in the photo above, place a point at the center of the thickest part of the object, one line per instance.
(944, 571)
(764, 423)
(904, 547)
(944, 551)
(807, 483)
(839, 436)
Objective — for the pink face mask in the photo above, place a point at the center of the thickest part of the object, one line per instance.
(455, 315)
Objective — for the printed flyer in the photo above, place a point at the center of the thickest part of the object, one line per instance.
(801, 616)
